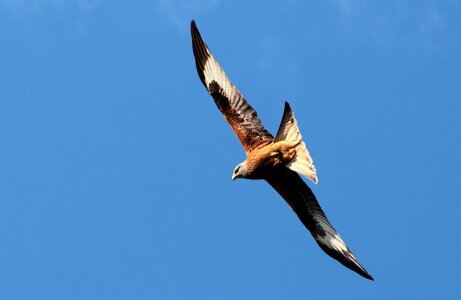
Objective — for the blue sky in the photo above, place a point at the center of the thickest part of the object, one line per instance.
(115, 164)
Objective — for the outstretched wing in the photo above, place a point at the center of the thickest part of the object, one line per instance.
(300, 197)
(239, 114)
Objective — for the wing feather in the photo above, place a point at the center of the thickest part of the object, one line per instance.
(238, 112)
(301, 198)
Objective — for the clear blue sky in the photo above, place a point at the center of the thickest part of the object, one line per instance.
(115, 164)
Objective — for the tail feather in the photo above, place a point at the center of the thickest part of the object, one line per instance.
(289, 131)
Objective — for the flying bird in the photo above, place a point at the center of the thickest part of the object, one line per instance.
(277, 160)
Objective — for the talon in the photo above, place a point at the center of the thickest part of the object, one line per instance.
(276, 153)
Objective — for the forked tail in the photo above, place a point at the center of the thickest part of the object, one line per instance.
(289, 131)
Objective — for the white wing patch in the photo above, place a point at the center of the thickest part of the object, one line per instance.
(333, 241)
(213, 72)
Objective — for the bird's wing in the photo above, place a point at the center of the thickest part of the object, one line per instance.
(301, 198)
(238, 112)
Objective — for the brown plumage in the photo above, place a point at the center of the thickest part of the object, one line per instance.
(268, 156)
(276, 160)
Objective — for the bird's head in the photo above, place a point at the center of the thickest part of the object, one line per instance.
(240, 171)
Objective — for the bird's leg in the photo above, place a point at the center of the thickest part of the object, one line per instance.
(276, 155)
(284, 152)
(289, 155)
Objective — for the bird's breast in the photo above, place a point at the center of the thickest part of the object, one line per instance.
(263, 161)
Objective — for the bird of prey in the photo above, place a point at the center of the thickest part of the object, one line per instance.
(277, 160)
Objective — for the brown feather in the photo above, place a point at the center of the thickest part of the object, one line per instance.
(301, 199)
(268, 159)
(236, 110)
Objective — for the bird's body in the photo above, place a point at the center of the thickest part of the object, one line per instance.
(267, 157)
(277, 160)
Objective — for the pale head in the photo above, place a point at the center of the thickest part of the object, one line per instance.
(240, 171)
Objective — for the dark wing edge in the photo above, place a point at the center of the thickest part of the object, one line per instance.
(238, 112)
(301, 198)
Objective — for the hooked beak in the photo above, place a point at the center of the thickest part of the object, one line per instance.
(234, 176)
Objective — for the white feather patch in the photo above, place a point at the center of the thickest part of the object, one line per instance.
(213, 72)
(334, 241)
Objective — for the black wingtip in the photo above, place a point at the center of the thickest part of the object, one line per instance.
(365, 274)
(348, 262)
(368, 276)
(361, 271)
(193, 28)
(200, 51)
